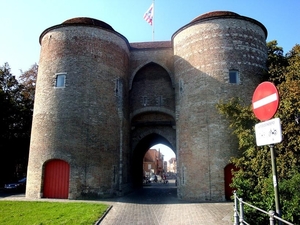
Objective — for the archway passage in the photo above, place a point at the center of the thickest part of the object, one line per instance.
(56, 179)
(152, 115)
(140, 150)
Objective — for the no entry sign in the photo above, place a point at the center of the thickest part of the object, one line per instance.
(265, 101)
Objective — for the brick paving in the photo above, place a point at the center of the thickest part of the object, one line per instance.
(157, 204)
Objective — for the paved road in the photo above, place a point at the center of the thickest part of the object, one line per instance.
(157, 205)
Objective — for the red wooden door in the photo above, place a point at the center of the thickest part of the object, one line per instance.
(56, 179)
(228, 180)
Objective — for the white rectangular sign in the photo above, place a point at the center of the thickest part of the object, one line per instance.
(268, 132)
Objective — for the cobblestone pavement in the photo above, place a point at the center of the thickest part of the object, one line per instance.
(157, 204)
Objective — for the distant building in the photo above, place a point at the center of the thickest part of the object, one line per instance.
(165, 166)
(172, 167)
(153, 163)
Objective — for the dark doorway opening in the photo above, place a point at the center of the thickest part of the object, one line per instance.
(139, 152)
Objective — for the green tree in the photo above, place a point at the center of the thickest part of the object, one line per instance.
(289, 149)
(16, 103)
(253, 181)
(276, 63)
(27, 82)
(9, 95)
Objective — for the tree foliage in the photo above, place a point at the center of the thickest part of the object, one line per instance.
(253, 180)
(16, 103)
(276, 63)
(9, 95)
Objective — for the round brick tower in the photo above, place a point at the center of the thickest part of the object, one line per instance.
(217, 56)
(80, 130)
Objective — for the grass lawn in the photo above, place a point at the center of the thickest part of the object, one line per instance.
(33, 213)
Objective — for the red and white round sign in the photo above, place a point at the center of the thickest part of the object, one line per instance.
(265, 101)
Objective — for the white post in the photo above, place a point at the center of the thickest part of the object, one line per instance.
(271, 214)
(241, 211)
(235, 215)
(153, 21)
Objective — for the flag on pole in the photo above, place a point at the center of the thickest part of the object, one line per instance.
(148, 16)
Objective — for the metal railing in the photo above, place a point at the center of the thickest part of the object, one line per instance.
(239, 213)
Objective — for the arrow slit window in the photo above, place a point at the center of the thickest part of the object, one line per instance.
(234, 77)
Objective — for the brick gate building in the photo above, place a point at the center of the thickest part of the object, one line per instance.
(102, 102)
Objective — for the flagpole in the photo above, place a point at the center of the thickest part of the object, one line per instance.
(149, 17)
(153, 23)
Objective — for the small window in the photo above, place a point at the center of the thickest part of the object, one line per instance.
(234, 77)
(60, 80)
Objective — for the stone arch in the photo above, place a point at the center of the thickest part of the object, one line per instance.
(168, 140)
(152, 109)
(147, 140)
(133, 74)
(152, 91)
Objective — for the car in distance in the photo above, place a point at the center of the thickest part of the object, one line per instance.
(20, 185)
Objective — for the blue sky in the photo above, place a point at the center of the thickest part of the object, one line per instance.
(22, 22)
(166, 151)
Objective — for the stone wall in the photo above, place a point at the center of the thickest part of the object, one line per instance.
(84, 122)
(204, 53)
(120, 99)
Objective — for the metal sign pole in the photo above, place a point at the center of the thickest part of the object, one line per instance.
(275, 183)
(265, 102)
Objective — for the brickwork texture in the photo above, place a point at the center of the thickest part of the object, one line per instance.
(121, 98)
